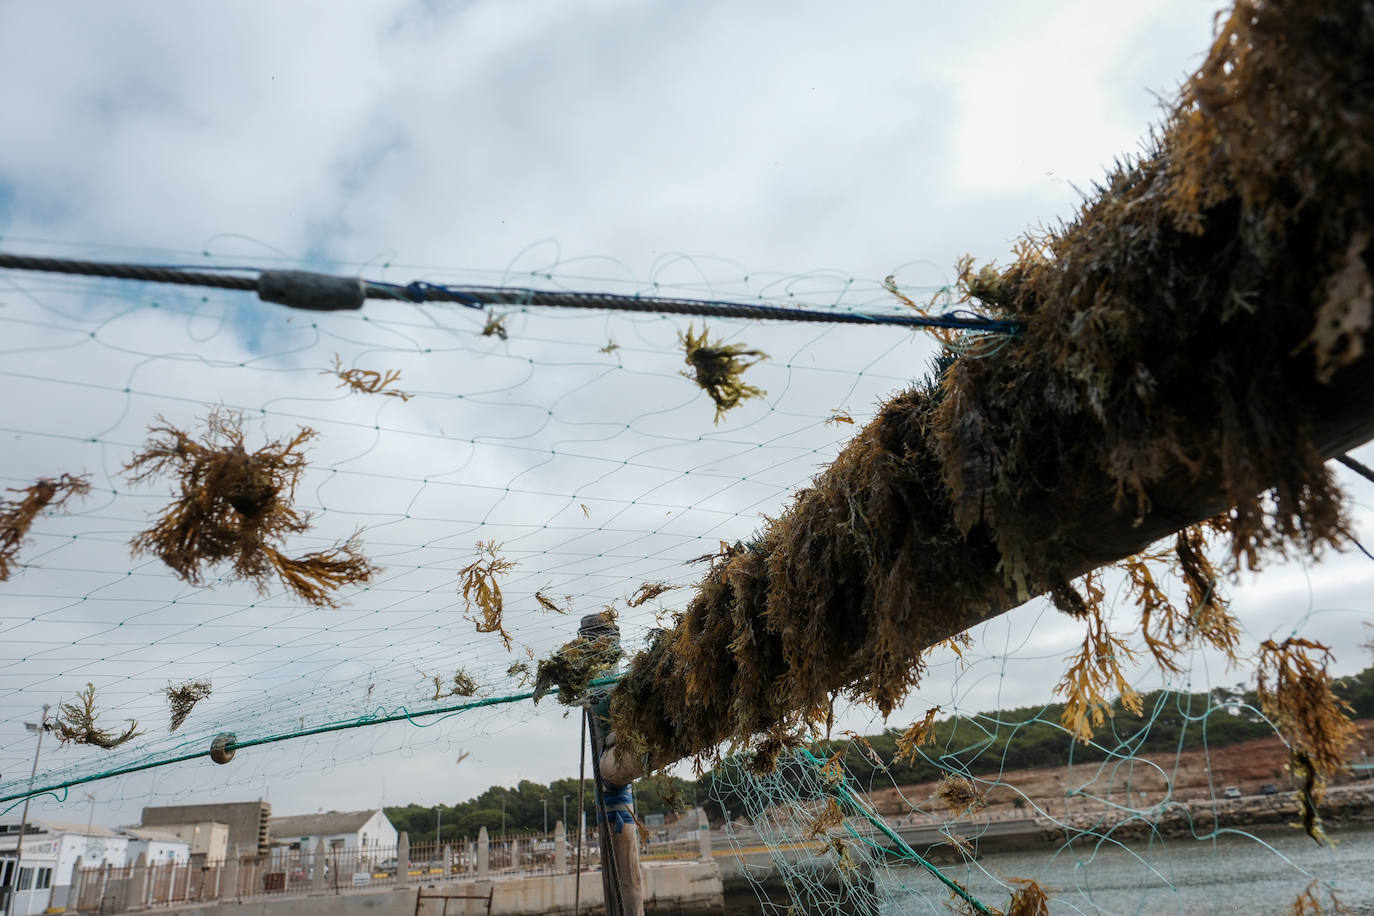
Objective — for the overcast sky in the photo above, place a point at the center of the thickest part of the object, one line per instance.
(798, 151)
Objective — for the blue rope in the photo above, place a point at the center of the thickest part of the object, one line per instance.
(619, 804)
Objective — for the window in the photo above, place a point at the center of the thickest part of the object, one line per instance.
(6, 872)
(44, 878)
(336, 844)
(25, 878)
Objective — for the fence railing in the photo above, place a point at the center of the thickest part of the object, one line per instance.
(288, 871)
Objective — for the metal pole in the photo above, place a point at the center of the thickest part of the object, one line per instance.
(24, 818)
(618, 831)
(581, 818)
(546, 814)
(90, 818)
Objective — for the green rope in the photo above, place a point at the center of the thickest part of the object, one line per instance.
(861, 810)
(273, 739)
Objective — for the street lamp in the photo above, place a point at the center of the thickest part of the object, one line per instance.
(546, 814)
(40, 727)
(90, 818)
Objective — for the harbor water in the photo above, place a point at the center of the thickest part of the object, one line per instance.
(1259, 871)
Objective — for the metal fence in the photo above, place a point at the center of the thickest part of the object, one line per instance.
(287, 871)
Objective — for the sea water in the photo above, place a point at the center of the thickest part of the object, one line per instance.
(1253, 872)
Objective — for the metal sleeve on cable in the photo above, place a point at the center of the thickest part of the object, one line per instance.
(303, 289)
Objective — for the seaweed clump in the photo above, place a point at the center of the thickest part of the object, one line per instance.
(236, 506)
(1294, 691)
(17, 515)
(920, 733)
(182, 698)
(957, 794)
(463, 686)
(1029, 899)
(827, 819)
(496, 327)
(76, 724)
(648, 591)
(1191, 346)
(480, 587)
(1309, 903)
(549, 604)
(572, 668)
(719, 367)
(1177, 335)
(367, 381)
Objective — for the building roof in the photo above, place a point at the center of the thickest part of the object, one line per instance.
(45, 827)
(157, 836)
(326, 824)
(50, 826)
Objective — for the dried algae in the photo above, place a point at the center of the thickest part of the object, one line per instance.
(17, 515)
(1191, 348)
(236, 506)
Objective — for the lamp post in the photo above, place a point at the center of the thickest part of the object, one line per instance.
(565, 811)
(90, 819)
(438, 822)
(24, 818)
(546, 814)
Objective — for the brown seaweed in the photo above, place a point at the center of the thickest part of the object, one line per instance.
(17, 515)
(463, 685)
(495, 326)
(366, 381)
(1029, 899)
(648, 591)
(236, 506)
(76, 724)
(1180, 344)
(182, 698)
(577, 663)
(481, 588)
(957, 794)
(916, 735)
(718, 368)
(1294, 690)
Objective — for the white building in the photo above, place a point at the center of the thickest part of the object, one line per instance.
(340, 830)
(50, 850)
(209, 839)
(162, 847)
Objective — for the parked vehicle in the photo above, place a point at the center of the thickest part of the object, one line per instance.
(1269, 789)
(544, 850)
(1231, 792)
(307, 872)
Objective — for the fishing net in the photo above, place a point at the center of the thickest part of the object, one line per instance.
(499, 488)
(195, 477)
(1000, 805)
(296, 542)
